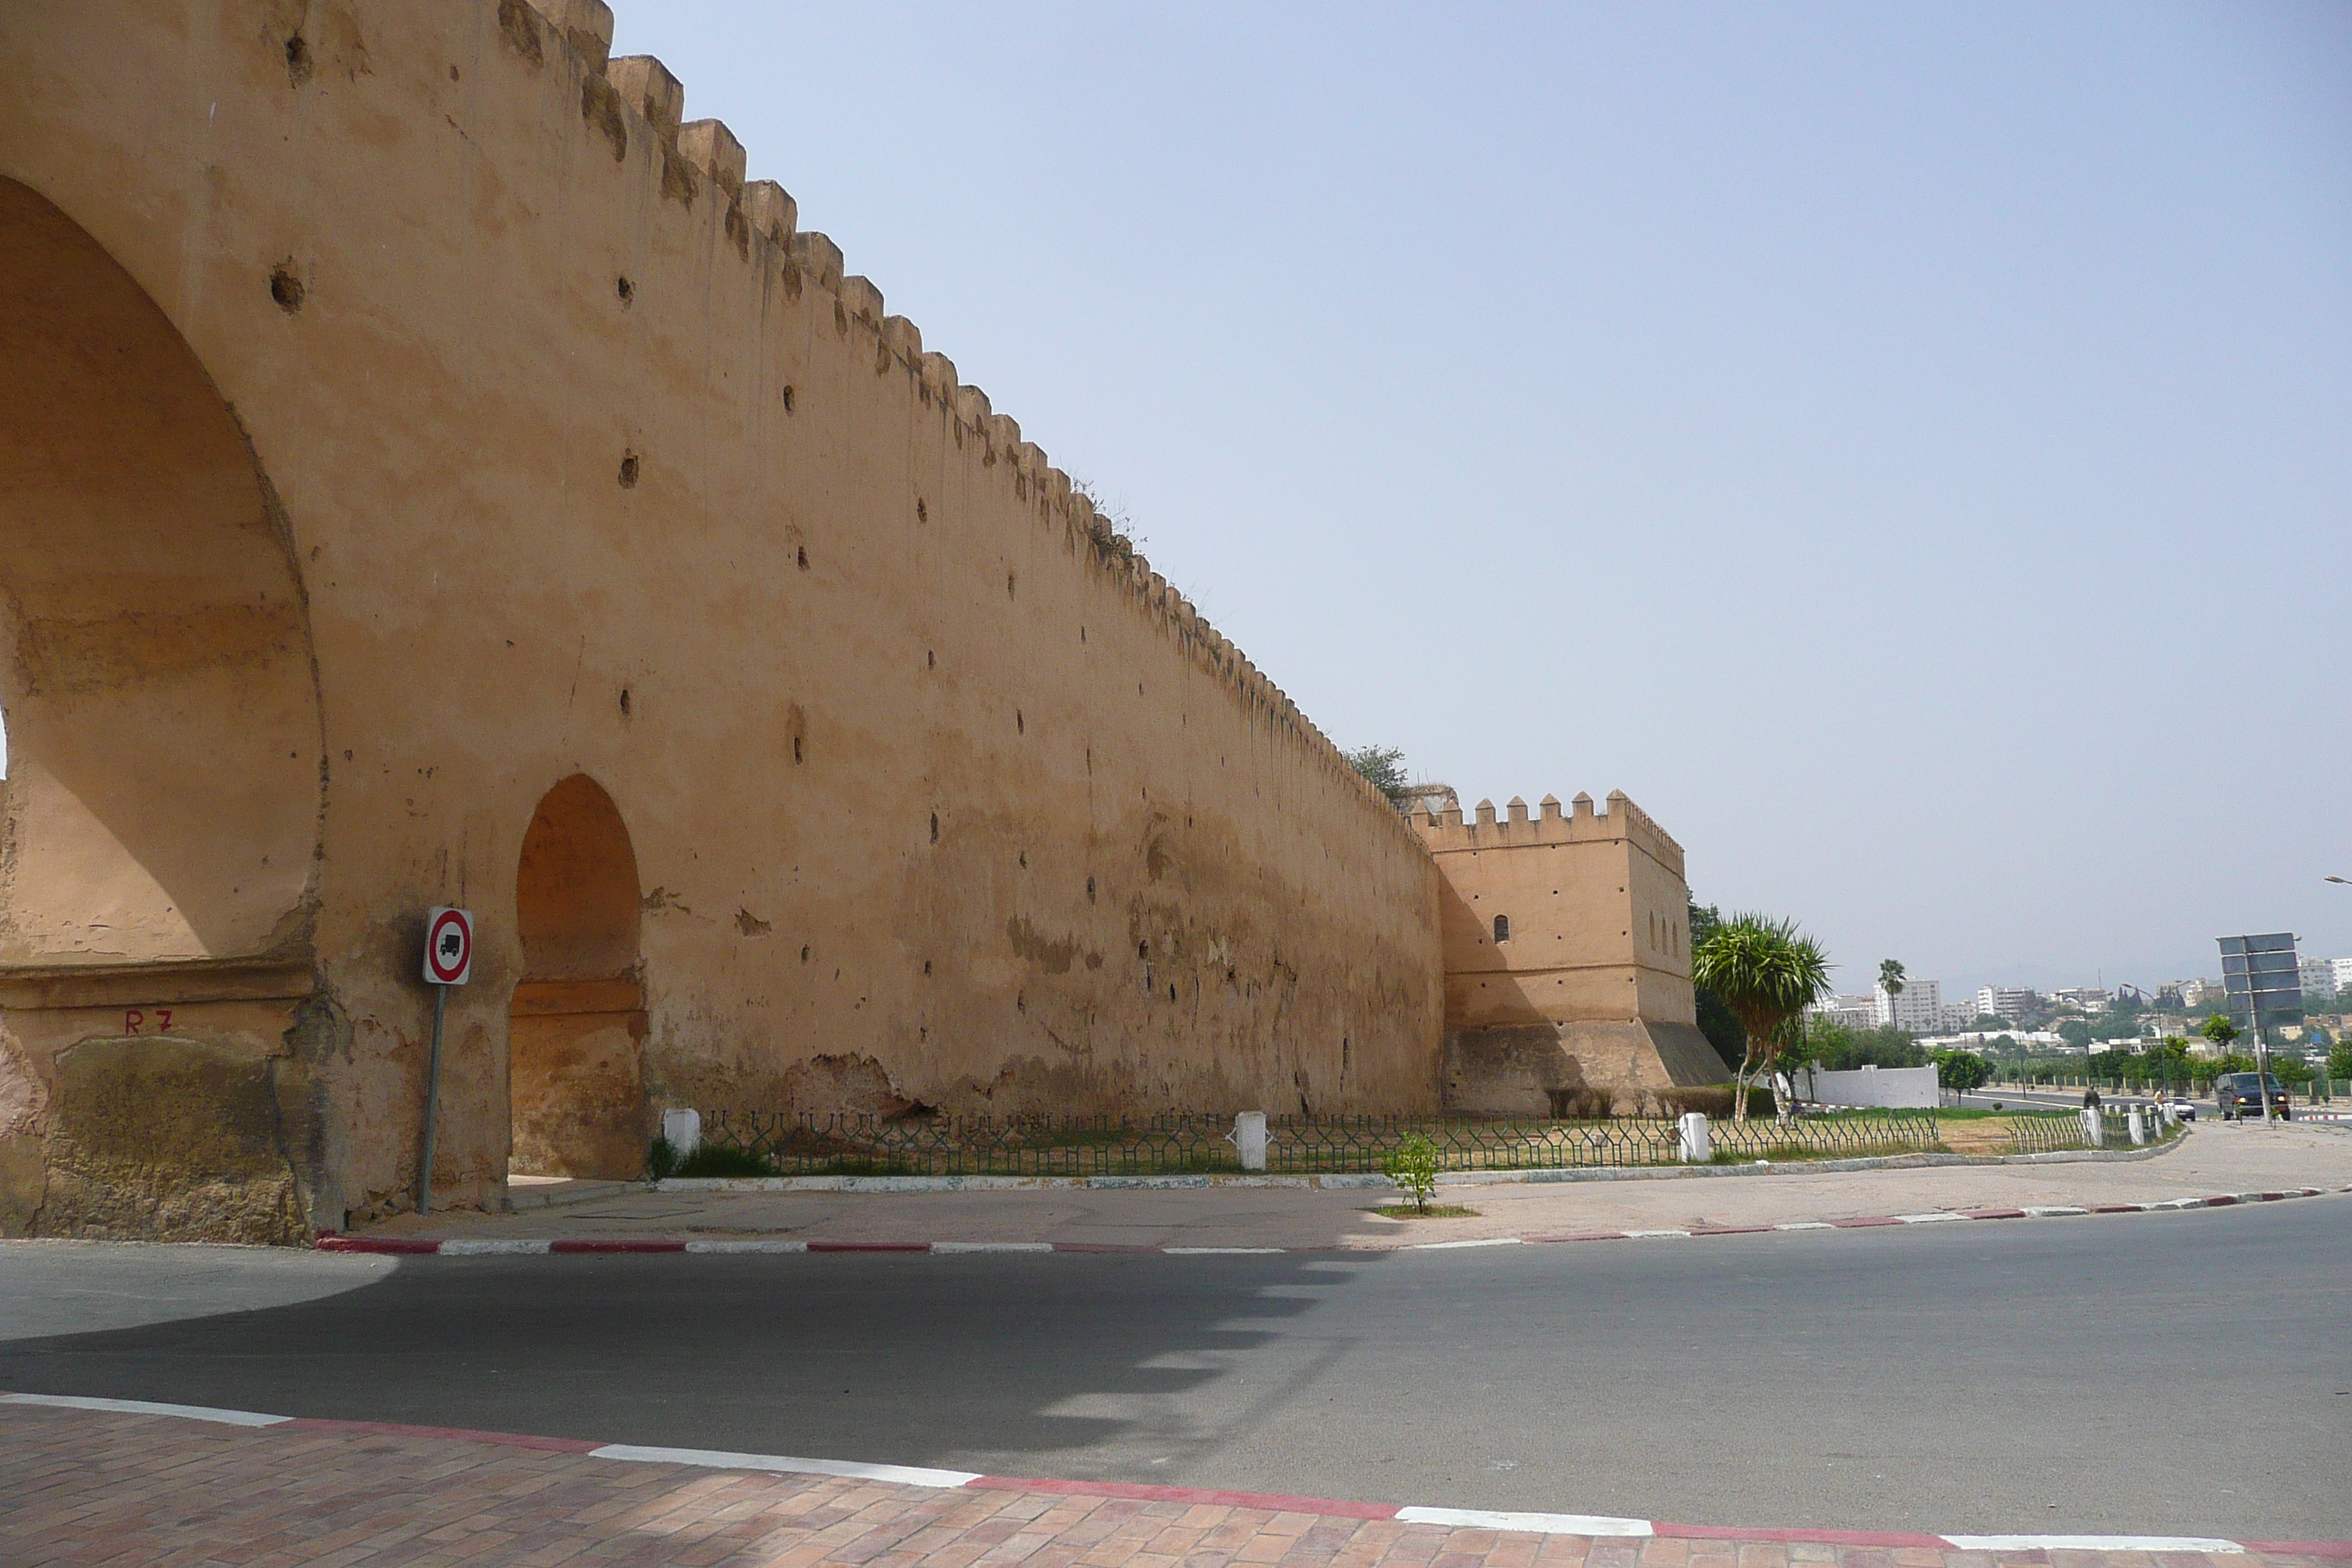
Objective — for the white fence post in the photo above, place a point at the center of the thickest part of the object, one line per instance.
(1249, 1139)
(2094, 1128)
(683, 1131)
(2138, 1126)
(1698, 1149)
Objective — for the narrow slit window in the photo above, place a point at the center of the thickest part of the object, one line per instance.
(1502, 928)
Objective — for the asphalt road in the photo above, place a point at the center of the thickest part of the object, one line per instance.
(2183, 1373)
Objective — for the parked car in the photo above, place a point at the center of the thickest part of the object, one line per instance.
(2240, 1094)
(2183, 1108)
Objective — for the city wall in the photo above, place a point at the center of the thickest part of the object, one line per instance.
(430, 473)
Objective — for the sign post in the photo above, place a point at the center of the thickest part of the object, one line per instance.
(449, 961)
(2263, 983)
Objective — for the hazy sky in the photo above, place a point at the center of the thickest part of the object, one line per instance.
(1907, 449)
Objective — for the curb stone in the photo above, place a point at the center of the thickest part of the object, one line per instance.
(470, 1247)
(1588, 1525)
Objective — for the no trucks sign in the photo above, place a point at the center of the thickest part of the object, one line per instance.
(448, 946)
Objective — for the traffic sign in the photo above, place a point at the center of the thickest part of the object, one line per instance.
(448, 946)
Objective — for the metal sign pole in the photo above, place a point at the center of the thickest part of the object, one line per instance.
(432, 1098)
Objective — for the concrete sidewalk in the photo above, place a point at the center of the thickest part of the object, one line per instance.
(2212, 1159)
(126, 1489)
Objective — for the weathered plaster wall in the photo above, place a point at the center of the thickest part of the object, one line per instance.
(1585, 1007)
(558, 451)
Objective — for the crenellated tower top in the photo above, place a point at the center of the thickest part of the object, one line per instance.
(1443, 831)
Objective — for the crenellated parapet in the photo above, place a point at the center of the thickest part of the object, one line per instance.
(1580, 822)
(634, 96)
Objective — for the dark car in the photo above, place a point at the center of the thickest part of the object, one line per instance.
(2241, 1094)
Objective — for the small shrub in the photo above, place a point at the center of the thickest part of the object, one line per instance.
(1435, 1211)
(661, 1159)
(1413, 1166)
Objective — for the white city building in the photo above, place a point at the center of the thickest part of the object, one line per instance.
(2323, 977)
(1917, 1007)
(2007, 1002)
(1853, 1012)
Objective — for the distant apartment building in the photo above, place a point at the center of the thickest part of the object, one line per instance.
(2323, 977)
(2085, 998)
(2009, 1004)
(1853, 1012)
(1918, 1007)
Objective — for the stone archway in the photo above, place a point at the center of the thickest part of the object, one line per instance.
(159, 822)
(576, 1028)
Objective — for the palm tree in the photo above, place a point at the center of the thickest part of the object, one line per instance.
(1890, 980)
(1768, 973)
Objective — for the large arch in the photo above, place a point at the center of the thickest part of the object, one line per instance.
(159, 820)
(163, 778)
(574, 1065)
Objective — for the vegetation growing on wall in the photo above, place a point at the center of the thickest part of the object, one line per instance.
(1384, 767)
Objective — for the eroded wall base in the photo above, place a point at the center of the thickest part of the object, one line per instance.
(1620, 1067)
(162, 1138)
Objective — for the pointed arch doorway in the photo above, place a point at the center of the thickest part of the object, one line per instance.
(575, 1030)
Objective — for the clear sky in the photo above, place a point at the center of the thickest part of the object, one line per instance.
(1907, 449)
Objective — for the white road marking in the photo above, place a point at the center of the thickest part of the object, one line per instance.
(718, 1459)
(1533, 1524)
(146, 1407)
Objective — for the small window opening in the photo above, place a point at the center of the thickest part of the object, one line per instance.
(803, 558)
(935, 827)
(1502, 928)
(1020, 724)
(629, 471)
(627, 290)
(787, 400)
(796, 748)
(1143, 950)
(922, 512)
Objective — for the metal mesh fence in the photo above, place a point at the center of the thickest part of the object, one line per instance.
(840, 1144)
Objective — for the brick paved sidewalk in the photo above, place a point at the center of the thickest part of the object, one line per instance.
(88, 1488)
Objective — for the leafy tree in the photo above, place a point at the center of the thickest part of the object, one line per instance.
(1768, 973)
(2339, 1059)
(2075, 1032)
(1836, 1047)
(1384, 767)
(1716, 1022)
(1961, 1071)
(2219, 1030)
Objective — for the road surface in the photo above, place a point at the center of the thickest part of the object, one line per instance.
(2046, 1376)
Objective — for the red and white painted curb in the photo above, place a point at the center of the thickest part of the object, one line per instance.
(479, 1247)
(1445, 1518)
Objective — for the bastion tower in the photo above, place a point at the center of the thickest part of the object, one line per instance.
(1566, 942)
